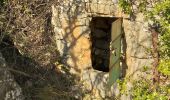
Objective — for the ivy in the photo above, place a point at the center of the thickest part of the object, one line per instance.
(126, 6)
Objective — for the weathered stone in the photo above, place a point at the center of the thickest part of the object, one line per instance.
(93, 8)
(78, 47)
(95, 81)
(10, 90)
(107, 9)
(138, 42)
(101, 8)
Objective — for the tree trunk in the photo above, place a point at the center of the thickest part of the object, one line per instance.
(155, 56)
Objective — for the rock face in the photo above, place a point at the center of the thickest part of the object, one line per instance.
(95, 82)
(139, 44)
(72, 28)
(10, 90)
(82, 44)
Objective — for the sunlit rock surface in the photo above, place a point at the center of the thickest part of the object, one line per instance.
(71, 20)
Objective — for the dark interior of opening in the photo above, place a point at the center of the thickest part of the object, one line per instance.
(100, 38)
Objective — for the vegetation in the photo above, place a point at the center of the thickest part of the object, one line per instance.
(26, 23)
(27, 44)
(158, 14)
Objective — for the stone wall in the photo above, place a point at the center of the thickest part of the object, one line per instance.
(10, 90)
(71, 20)
(139, 44)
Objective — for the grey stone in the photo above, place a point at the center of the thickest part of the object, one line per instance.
(137, 41)
(10, 90)
(94, 79)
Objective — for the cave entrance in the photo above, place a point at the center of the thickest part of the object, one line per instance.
(106, 35)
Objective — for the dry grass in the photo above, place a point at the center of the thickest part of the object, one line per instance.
(28, 22)
(32, 49)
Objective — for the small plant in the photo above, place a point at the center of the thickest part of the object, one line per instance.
(126, 6)
(143, 89)
(164, 67)
(158, 14)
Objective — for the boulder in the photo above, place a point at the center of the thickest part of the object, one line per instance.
(10, 90)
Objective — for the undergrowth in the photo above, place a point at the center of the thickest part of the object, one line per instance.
(28, 46)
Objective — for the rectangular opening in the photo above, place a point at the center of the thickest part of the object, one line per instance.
(101, 28)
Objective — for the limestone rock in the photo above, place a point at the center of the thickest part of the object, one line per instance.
(10, 90)
(95, 81)
(136, 42)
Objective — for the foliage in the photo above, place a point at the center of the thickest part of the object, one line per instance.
(28, 24)
(161, 14)
(143, 89)
(126, 6)
(31, 49)
(122, 85)
(164, 67)
(157, 13)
